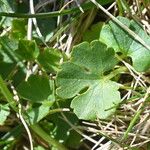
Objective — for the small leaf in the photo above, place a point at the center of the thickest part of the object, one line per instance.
(6, 68)
(38, 113)
(7, 49)
(49, 59)
(36, 89)
(18, 30)
(47, 27)
(5, 6)
(83, 78)
(4, 112)
(93, 33)
(39, 148)
(8, 60)
(27, 50)
(61, 130)
(114, 36)
(74, 140)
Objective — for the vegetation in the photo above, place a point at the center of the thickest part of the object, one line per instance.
(74, 75)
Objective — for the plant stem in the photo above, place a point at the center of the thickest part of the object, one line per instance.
(136, 116)
(115, 72)
(84, 6)
(48, 14)
(40, 132)
(7, 94)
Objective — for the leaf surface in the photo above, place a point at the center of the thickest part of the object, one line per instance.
(27, 50)
(93, 33)
(49, 59)
(83, 79)
(4, 112)
(8, 60)
(60, 129)
(114, 36)
(18, 30)
(35, 114)
(36, 89)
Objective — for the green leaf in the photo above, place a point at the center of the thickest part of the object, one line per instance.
(61, 130)
(36, 114)
(27, 50)
(7, 49)
(14, 133)
(10, 64)
(10, 61)
(83, 78)
(74, 140)
(49, 59)
(14, 6)
(104, 2)
(93, 33)
(4, 112)
(36, 89)
(7, 94)
(6, 68)
(18, 76)
(114, 36)
(5, 7)
(39, 148)
(47, 27)
(18, 30)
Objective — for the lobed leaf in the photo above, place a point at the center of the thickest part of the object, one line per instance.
(114, 36)
(83, 79)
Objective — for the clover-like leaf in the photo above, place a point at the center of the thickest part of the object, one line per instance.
(83, 79)
(116, 37)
